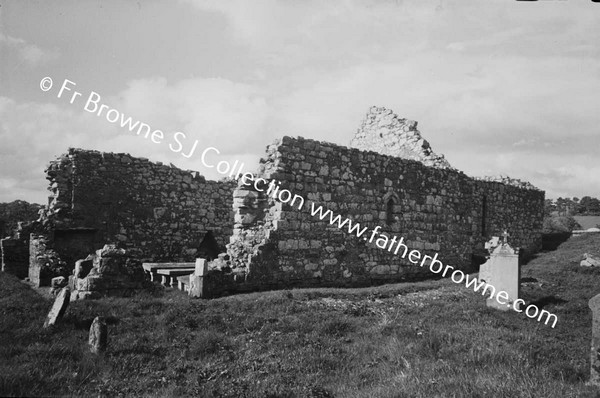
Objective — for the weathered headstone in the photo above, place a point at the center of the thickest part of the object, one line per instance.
(502, 271)
(98, 338)
(197, 278)
(59, 307)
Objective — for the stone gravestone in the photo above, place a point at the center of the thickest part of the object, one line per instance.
(197, 278)
(502, 271)
(59, 307)
(98, 338)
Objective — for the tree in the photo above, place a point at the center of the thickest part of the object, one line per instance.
(549, 207)
(594, 207)
(589, 206)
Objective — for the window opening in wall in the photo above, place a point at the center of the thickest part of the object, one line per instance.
(483, 215)
(209, 247)
(390, 212)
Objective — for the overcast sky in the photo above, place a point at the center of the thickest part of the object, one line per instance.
(498, 87)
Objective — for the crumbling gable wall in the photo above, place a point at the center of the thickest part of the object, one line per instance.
(436, 210)
(384, 132)
(156, 212)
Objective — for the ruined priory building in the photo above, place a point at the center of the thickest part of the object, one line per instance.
(390, 180)
(417, 196)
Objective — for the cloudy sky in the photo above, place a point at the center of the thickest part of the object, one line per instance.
(498, 87)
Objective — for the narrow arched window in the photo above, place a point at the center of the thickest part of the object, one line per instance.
(483, 215)
(389, 213)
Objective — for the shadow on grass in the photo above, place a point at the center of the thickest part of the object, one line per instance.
(550, 242)
(84, 324)
(548, 300)
(527, 279)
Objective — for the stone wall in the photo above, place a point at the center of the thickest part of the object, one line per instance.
(436, 210)
(154, 211)
(519, 211)
(15, 257)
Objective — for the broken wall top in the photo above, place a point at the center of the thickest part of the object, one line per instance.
(384, 132)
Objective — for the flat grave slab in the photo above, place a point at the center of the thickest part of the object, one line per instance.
(150, 267)
(175, 271)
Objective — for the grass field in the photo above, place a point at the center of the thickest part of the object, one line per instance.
(587, 221)
(427, 339)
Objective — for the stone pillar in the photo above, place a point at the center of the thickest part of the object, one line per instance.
(37, 247)
(201, 267)
(197, 279)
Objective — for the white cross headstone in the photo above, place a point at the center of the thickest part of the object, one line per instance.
(502, 271)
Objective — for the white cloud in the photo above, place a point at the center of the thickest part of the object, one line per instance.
(28, 53)
(497, 87)
(316, 34)
(216, 112)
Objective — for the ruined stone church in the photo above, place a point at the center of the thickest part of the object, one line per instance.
(389, 177)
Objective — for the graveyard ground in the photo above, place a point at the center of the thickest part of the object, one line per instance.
(428, 339)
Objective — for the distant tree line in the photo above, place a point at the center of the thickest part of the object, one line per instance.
(586, 206)
(13, 212)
